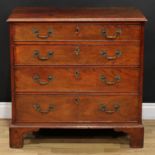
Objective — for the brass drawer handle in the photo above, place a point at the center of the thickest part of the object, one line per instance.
(116, 79)
(77, 51)
(36, 53)
(115, 36)
(105, 55)
(104, 108)
(77, 74)
(37, 79)
(36, 32)
(37, 108)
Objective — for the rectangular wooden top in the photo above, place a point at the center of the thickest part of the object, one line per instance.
(47, 14)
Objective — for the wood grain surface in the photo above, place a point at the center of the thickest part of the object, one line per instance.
(78, 54)
(86, 143)
(75, 31)
(79, 69)
(48, 14)
(77, 79)
(76, 108)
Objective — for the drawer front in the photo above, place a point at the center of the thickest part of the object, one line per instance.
(75, 31)
(73, 108)
(108, 108)
(77, 54)
(76, 79)
(45, 108)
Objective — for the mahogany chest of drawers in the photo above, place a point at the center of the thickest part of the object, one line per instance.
(76, 68)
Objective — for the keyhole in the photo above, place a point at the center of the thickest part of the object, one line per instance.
(77, 100)
(77, 74)
(77, 29)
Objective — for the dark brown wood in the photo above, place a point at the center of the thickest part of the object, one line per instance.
(12, 72)
(135, 132)
(17, 136)
(141, 72)
(136, 135)
(88, 80)
(77, 54)
(79, 42)
(77, 64)
(67, 31)
(73, 108)
(47, 14)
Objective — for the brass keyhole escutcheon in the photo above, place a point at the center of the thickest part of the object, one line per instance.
(77, 100)
(77, 74)
(77, 30)
(77, 51)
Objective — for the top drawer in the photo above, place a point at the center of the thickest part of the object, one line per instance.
(75, 31)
